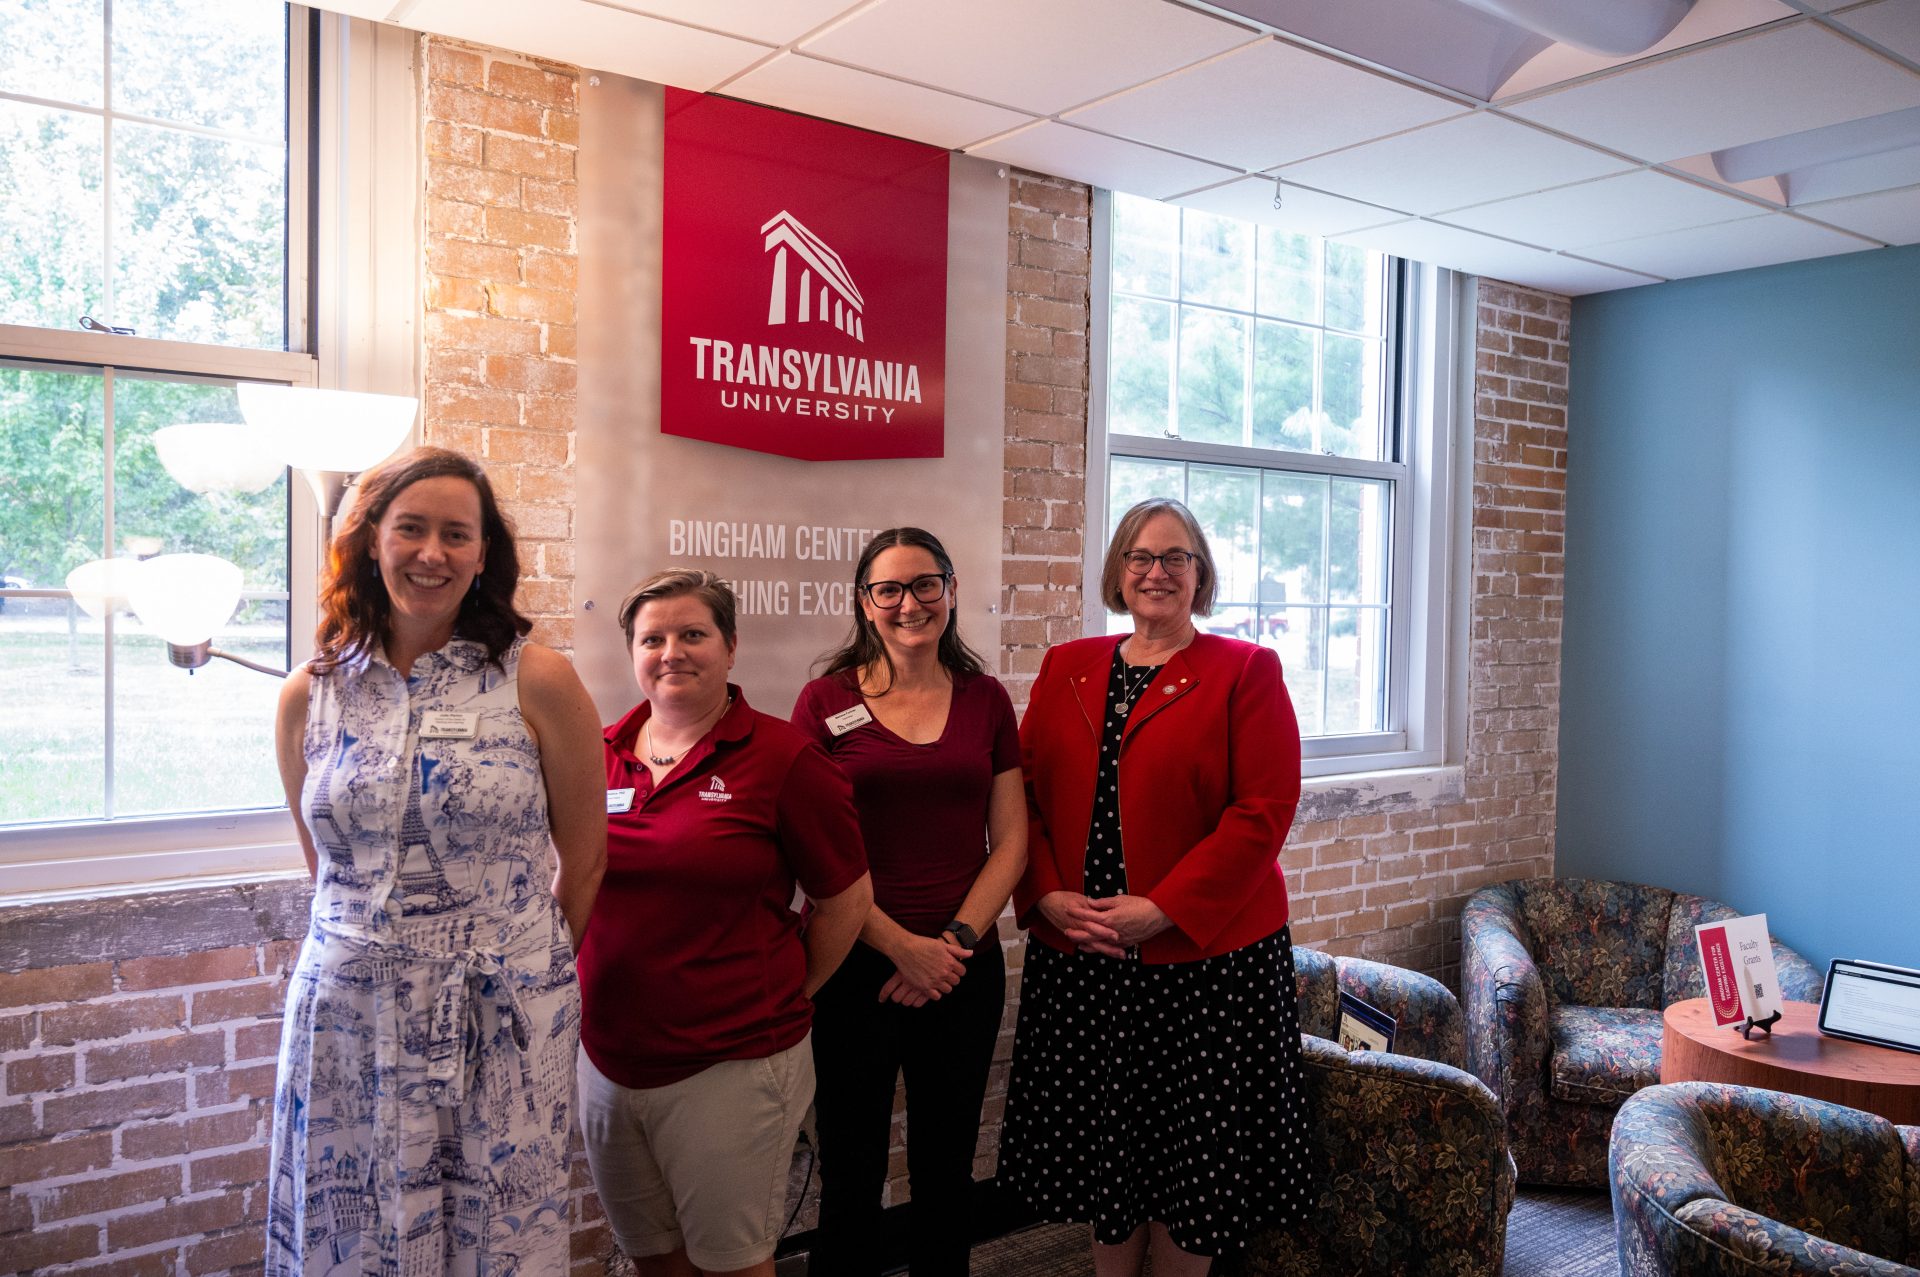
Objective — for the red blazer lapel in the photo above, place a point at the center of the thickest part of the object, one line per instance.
(1089, 681)
(1175, 680)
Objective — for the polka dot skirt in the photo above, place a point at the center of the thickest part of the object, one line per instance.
(1169, 1092)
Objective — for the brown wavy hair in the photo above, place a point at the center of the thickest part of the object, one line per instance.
(354, 606)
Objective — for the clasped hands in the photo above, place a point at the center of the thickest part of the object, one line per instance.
(1108, 925)
(925, 969)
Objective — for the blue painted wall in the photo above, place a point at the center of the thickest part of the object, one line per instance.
(1741, 682)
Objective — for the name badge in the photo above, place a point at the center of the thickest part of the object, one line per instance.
(445, 724)
(619, 800)
(848, 719)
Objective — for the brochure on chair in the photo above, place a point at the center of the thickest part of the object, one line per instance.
(1363, 1026)
(1737, 958)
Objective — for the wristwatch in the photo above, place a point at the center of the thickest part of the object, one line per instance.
(960, 931)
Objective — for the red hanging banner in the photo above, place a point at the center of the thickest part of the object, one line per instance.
(804, 285)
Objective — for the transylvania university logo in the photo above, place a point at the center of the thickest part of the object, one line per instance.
(716, 792)
(839, 301)
(785, 237)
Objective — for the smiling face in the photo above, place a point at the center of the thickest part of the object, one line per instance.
(680, 658)
(1159, 598)
(429, 548)
(912, 625)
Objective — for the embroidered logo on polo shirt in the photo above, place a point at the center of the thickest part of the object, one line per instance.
(716, 792)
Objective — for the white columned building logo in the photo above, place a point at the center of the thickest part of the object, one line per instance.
(824, 292)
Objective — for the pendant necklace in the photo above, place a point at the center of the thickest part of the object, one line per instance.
(1132, 688)
(669, 759)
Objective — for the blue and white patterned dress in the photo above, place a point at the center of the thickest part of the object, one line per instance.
(426, 1083)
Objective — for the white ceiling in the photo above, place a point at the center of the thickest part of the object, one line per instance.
(1582, 173)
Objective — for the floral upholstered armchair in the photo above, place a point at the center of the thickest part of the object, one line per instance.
(1412, 1170)
(1712, 1180)
(1564, 981)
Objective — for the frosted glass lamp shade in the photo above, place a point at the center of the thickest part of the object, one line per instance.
(344, 431)
(104, 585)
(207, 456)
(184, 598)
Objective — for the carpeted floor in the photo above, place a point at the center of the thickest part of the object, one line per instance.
(1551, 1233)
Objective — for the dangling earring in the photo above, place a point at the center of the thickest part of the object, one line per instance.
(373, 569)
(475, 587)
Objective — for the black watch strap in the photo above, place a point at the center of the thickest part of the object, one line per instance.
(960, 931)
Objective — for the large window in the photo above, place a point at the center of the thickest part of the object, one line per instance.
(145, 184)
(1260, 377)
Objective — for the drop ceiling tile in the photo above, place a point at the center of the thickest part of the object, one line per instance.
(1064, 151)
(1041, 56)
(1893, 216)
(1452, 164)
(1761, 188)
(592, 35)
(1766, 240)
(1892, 24)
(1778, 81)
(1707, 20)
(767, 21)
(1276, 97)
(870, 101)
(1625, 206)
(1460, 250)
(1302, 211)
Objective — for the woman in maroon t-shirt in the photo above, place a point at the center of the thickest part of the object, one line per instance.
(929, 740)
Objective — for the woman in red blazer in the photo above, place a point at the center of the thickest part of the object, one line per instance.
(1156, 1088)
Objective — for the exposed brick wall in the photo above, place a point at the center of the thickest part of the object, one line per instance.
(137, 1101)
(501, 205)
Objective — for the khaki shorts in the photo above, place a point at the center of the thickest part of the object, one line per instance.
(700, 1164)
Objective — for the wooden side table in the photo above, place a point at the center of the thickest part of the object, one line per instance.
(1797, 1058)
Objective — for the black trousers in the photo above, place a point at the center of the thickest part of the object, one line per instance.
(861, 1046)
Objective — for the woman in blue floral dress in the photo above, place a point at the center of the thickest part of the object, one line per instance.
(445, 775)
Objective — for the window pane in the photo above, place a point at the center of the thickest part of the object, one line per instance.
(1216, 260)
(237, 50)
(52, 487)
(52, 717)
(201, 741)
(199, 237)
(1131, 480)
(1350, 397)
(1293, 512)
(50, 216)
(1140, 391)
(1289, 276)
(51, 50)
(1356, 669)
(1357, 558)
(1226, 500)
(1354, 291)
(1283, 388)
(1213, 369)
(1145, 235)
(1300, 638)
(248, 528)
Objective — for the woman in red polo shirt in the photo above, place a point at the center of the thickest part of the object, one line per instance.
(928, 739)
(696, 975)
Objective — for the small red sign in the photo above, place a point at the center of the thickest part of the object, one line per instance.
(1723, 982)
(804, 285)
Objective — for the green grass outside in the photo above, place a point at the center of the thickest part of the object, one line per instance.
(182, 742)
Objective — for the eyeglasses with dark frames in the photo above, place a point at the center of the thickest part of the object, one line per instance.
(888, 595)
(1176, 562)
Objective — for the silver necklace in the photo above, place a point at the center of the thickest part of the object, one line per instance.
(1133, 688)
(670, 759)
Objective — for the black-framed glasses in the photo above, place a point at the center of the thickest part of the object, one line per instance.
(930, 588)
(1176, 562)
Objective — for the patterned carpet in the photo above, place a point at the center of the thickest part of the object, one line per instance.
(1551, 1233)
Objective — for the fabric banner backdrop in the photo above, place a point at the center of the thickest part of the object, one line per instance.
(737, 263)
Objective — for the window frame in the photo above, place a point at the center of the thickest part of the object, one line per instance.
(353, 290)
(1425, 636)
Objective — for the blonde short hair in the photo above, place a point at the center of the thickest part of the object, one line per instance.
(1114, 571)
(671, 584)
